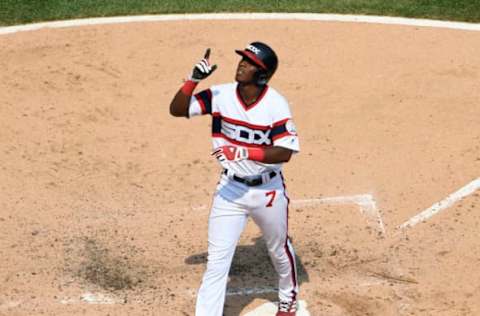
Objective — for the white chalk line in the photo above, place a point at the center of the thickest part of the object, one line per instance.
(90, 298)
(242, 291)
(443, 204)
(251, 291)
(245, 16)
(94, 299)
(366, 202)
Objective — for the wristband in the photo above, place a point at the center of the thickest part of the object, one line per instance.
(188, 87)
(257, 154)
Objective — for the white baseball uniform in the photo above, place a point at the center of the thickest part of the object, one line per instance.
(246, 188)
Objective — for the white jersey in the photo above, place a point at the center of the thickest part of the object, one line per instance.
(265, 123)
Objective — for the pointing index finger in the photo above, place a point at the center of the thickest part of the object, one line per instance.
(207, 53)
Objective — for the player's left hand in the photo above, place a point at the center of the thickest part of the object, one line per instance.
(203, 69)
(232, 153)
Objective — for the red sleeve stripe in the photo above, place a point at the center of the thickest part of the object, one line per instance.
(209, 96)
(204, 98)
(280, 122)
(202, 104)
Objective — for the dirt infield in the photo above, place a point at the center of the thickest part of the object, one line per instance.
(104, 196)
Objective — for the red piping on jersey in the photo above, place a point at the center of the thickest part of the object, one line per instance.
(236, 142)
(246, 106)
(202, 104)
(280, 122)
(292, 264)
(237, 122)
(287, 250)
(243, 123)
(209, 96)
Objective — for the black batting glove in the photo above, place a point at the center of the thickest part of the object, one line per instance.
(203, 69)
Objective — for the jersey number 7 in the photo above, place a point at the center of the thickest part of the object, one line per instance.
(272, 194)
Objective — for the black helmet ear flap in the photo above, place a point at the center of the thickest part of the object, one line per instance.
(262, 78)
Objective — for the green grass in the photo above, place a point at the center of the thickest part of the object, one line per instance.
(27, 11)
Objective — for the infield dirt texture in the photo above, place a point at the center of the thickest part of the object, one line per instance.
(104, 196)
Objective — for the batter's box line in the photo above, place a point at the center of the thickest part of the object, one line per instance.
(91, 298)
(365, 202)
(94, 299)
(438, 207)
(242, 291)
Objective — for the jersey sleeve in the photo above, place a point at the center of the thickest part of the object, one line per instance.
(284, 133)
(201, 103)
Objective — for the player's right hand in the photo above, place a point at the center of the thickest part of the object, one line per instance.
(232, 153)
(203, 69)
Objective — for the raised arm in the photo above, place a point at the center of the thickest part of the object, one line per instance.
(181, 101)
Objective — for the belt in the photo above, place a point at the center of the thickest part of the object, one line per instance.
(251, 182)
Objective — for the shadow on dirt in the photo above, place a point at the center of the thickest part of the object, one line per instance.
(252, 276)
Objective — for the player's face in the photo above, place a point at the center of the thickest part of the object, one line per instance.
(245, 71)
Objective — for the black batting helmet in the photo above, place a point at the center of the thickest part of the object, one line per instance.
(262, 56)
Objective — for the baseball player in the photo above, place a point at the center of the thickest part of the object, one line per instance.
(253, 135)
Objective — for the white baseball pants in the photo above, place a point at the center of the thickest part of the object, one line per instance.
(233, 203)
